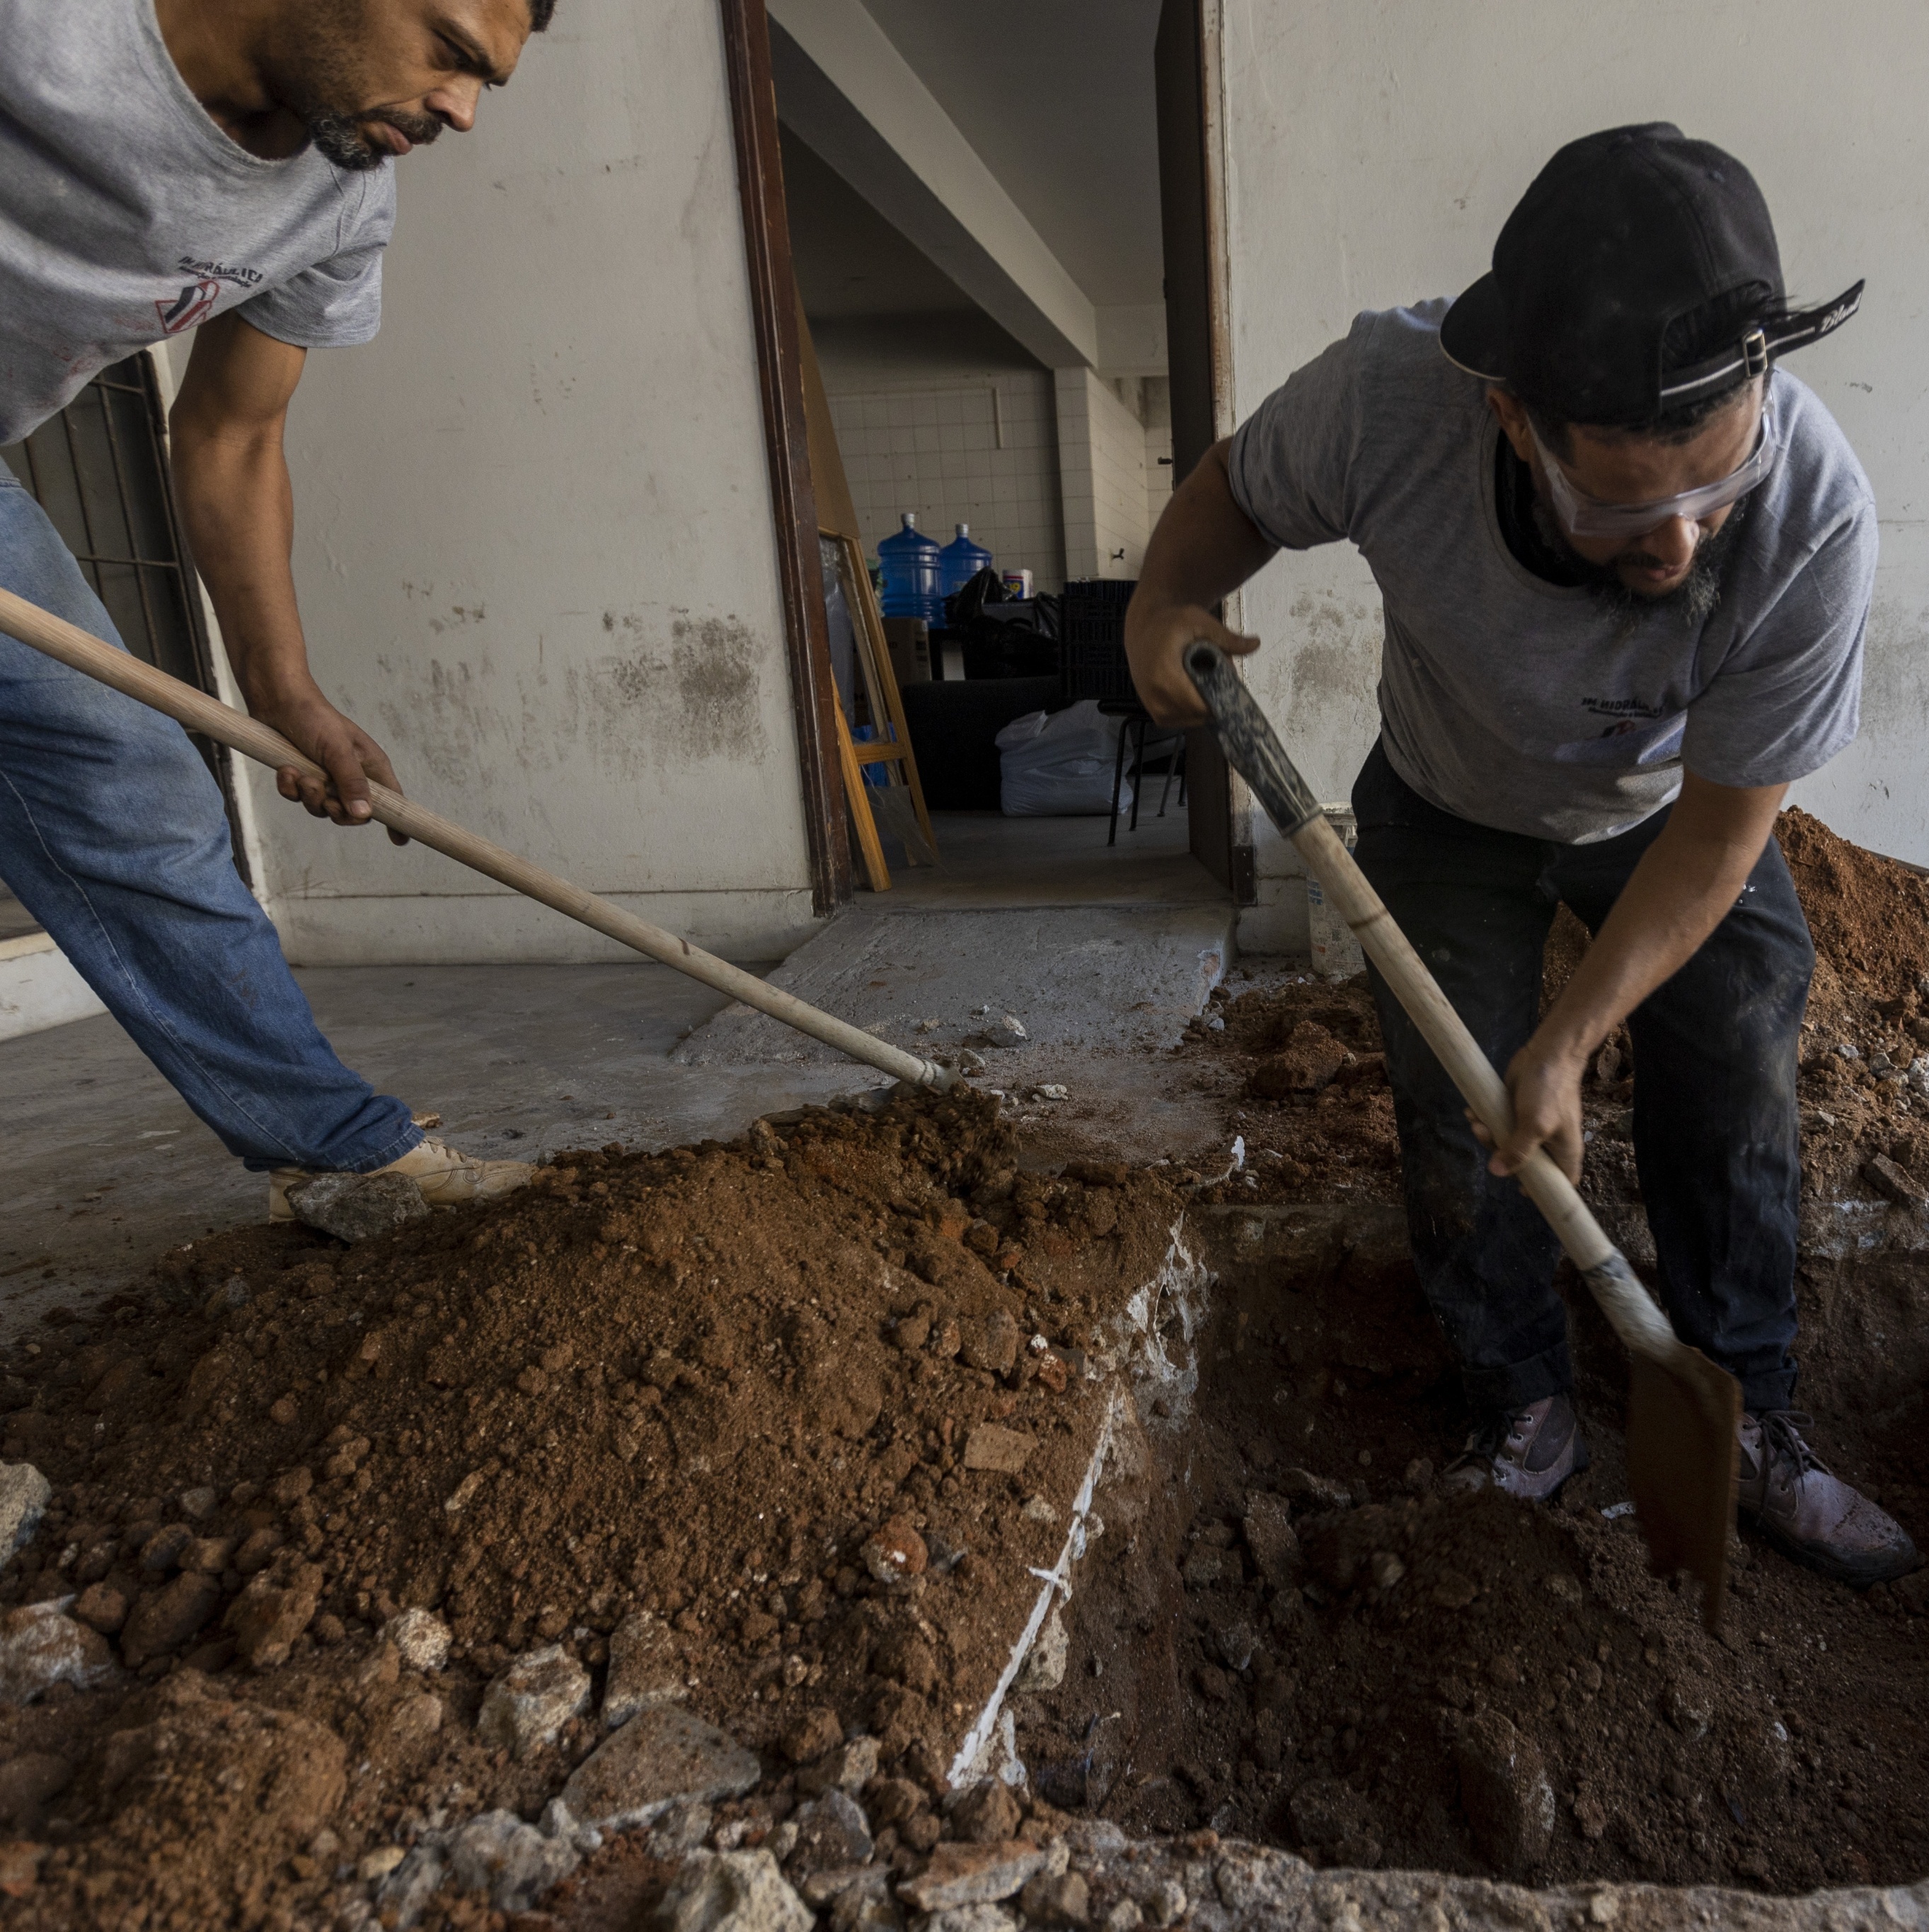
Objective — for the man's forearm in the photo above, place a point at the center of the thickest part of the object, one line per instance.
(1685, 885)
(237, 506)
(1205, 546)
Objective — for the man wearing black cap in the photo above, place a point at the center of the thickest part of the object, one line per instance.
(1626, 563)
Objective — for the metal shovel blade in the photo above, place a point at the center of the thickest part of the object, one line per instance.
(1684, 1417)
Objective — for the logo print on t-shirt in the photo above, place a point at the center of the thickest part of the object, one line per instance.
(194, 303)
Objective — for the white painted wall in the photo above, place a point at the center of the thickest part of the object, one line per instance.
(535, 548)
(1375, 147)
(1101, 471)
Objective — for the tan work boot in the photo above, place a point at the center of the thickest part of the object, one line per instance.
(1811, 1515)
(447, 1179)
(1528, 1452)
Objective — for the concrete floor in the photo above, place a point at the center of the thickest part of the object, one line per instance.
(1103, 950)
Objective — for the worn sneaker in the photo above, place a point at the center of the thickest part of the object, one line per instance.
(1528, 1452)
(447, 1179)
(1811, 1515)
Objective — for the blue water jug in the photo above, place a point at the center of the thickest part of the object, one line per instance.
(959, 561)
(910, 561)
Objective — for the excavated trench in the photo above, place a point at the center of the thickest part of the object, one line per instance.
(1288, 1633)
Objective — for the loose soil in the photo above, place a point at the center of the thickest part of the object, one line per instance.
(693, 1384)
(1322, 1705)
(696, 1384)
(1299, 1067)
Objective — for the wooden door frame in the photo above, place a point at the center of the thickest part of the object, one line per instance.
(766, 232)
(1192, 177)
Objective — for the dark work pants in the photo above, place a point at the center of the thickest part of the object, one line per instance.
(1716, 1138)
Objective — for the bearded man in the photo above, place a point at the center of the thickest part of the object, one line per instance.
(222, 166)
(1626, 561)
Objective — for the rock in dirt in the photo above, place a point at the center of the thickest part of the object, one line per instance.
(421, 1640)
(850, 1767)
(240, 1784)
(1886, 1178)
(358, 1207)
(164, 1619)
(24, 1491)
(662, 1757)
(532, 1700)
(513, 1862)
(1064, 1899)
(267, 1617)
(987, 1814)
(896, 1553)
(1505, 1791)
(984, 1919)
(732, 1892)
(991, 1344)
(101, 1607)
(810, 1733)
(41, 1645)
(645, 1669)
(410, 1884)
(964, 1874)
(1310, 1492)
(1044, 1666)
(1269, 1535)
(27, 1782)
(1001, 1451)
(832, 1830)
(1309, 1059)
(1333, 1819)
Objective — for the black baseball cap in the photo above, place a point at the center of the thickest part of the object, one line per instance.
(1622, 234)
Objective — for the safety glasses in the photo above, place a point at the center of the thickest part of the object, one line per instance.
(1584, 516)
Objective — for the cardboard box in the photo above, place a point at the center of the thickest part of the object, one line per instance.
(910, 641)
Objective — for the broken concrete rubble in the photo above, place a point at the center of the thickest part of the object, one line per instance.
(663, 1756)
(40, 1646)
(533, 1699)
(24, 1491)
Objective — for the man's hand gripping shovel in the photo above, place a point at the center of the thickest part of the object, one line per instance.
(1683, 1412)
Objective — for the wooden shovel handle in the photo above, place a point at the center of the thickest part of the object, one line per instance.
(80, 651)
(1252, 748)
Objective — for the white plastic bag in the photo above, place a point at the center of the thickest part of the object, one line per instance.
(1059, 764)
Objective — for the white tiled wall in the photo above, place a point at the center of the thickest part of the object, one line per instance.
(1158, 412)
(1102, 455)
(983, 452)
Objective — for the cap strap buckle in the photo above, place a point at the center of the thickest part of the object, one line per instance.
(1755, 352)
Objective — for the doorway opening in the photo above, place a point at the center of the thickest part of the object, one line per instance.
(980, 252)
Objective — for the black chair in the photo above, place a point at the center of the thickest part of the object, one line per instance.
(1139, 719)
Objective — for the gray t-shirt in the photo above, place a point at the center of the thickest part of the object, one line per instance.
(126, 215)
(1521, 705)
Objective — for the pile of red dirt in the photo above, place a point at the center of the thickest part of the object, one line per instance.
(695, 1384)
(1299, 1062)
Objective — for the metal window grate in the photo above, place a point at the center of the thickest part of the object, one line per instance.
(99, 469)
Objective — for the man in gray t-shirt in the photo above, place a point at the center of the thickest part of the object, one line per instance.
(220, 167)
(1626, 563)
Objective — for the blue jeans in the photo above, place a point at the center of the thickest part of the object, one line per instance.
(1717, 1145)
(113, 836)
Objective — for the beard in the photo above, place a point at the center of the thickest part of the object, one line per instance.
(325, 74)
(1692, 602)
(339, 138)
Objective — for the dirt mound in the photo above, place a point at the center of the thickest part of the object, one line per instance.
(1301, 1059)
(1869, 915)
(715, 1387)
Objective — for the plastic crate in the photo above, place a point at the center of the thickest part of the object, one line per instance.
(1091, 629)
